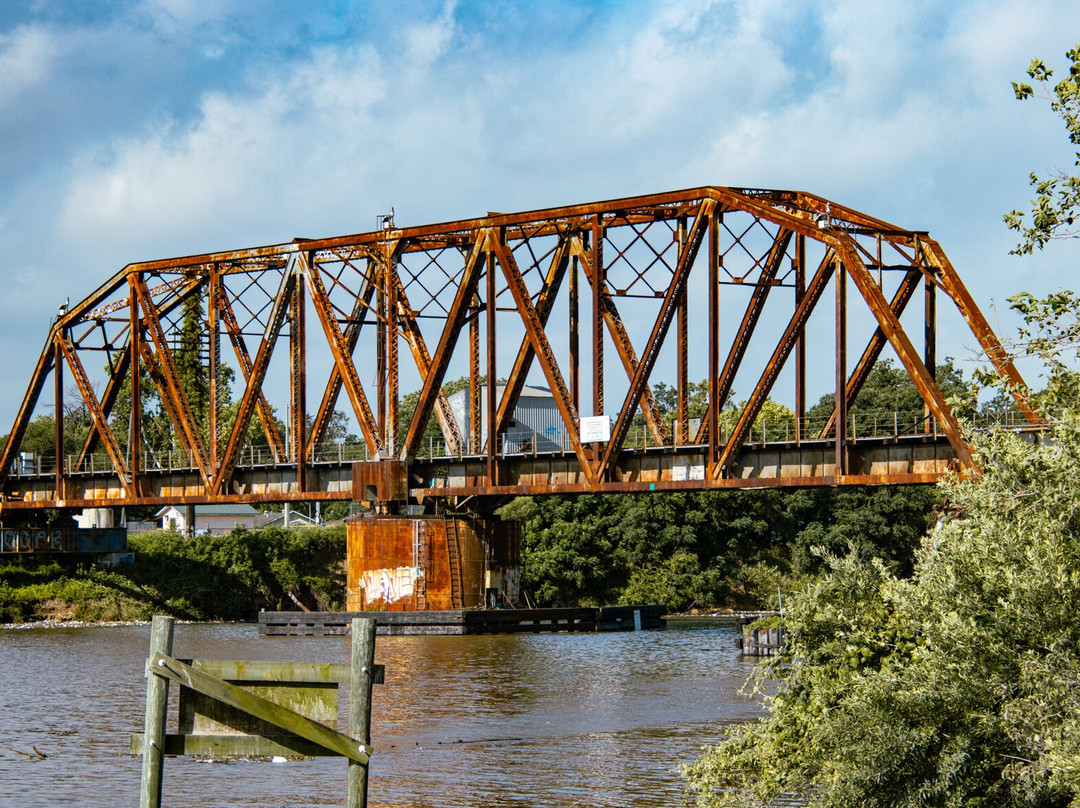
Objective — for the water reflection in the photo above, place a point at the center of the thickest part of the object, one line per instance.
(511, 720)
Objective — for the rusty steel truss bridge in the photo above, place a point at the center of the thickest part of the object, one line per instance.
(609, 306)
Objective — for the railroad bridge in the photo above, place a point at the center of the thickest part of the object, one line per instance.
(223, 377)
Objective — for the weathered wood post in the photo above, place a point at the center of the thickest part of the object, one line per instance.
(360, 682)
(157, 702)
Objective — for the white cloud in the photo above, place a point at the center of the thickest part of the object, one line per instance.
(902, 110)
(27, 56)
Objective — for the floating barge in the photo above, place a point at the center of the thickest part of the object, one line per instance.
(467, 621)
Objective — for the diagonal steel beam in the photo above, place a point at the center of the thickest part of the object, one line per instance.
(515, 382)
(342, 355)
(909, 357)
(873, 350)
(747, 326)
(624, 347)
(534, 330)
(255, 381)
(119, 373)
(410, 329)
(187, 429)
(37, 383)
(776, 363)
(243, 358)
(116, 382)
(656, 339)
(356, 322)
(455, 318)
(969, 310)
(91, 402)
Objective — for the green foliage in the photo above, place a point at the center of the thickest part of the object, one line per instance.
(206, 577)
(1057, 197)
(706, 549)
(1051, 333)
(953, 687)
(677, 581)
(888, 388)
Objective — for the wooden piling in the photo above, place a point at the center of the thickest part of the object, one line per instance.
(157, 701)
(361, 680)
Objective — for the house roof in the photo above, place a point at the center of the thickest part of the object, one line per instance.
(238, 509)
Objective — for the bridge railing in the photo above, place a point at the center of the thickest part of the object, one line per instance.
(861, 425)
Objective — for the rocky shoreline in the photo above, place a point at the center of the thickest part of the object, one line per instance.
(52, 623)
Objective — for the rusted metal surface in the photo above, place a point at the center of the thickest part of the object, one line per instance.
(680, 284)
(397, 563)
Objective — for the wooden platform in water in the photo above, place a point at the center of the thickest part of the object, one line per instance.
(467, 621)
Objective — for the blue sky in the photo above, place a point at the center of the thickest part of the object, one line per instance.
(151, 128)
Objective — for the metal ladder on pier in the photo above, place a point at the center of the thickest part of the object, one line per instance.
(420, 554)
(457, 580)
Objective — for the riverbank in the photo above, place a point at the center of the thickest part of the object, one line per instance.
(203, 578)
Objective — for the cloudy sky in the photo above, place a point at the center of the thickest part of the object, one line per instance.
(143, 129)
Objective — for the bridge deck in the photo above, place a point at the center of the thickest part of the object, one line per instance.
(779, 464)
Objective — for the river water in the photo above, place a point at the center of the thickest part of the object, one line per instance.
(500, 720)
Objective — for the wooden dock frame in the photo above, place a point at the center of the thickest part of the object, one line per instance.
(467, 621)
(264, 700)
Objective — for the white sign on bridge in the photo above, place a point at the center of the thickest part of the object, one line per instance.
(595, 428)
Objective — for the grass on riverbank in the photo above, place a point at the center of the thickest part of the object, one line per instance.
(228, 577)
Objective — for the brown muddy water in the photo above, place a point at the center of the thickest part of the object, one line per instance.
(511, 720)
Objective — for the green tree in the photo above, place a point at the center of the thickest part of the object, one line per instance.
(1057, 197)
(954, 687)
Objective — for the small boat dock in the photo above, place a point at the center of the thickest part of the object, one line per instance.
(467, 621)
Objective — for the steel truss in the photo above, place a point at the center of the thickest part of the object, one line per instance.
(651, 277)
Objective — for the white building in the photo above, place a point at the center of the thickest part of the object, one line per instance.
(208, 518)
(535, 426)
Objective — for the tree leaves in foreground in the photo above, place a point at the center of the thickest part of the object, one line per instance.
(1057, 197)
(955, 687)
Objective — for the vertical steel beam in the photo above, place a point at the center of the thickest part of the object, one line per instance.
(575, 340)
(750, 319)
(873, 350)
(969, 310)
(392, 392)
(682, 384)
(906, 352)
(599, 286)
(298, 379)
(381, 358)
(134, 350)
(713, 337)
(474, 379)
(491, 402)
(58, 393)
(213, 331)
(783, 349)
(841, 369)
(545, 356)
(515, 382)
(656, 338)
(455, 319)
(800, 344)
(929, 335)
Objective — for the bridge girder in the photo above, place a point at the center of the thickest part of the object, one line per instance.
(638, 268)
